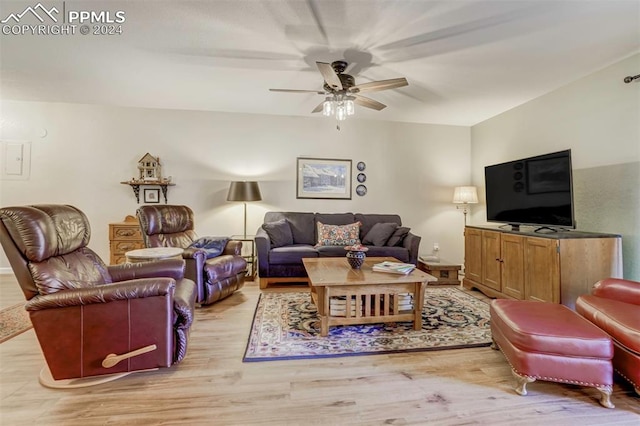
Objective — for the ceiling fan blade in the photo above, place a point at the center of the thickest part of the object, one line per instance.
(329, 75)
(375, 86)
(318, 108)
(369, 103)
(297, 91)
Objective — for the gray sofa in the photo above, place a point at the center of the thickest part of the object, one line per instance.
(285, 238)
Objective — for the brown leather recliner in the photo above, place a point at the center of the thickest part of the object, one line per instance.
(614, 306)
(92, 319)
(173, 226)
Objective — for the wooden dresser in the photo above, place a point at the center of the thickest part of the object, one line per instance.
(123, 237)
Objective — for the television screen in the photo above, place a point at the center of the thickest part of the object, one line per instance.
(531, 191)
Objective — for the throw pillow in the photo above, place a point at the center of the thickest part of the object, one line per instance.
(338, 235)
(279, 233)
(213, 246)
(398, 235)
(379, 234)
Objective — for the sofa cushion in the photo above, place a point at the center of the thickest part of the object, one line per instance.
(368, 220)
(398, 236)
(338, 235)
(279, 233)
(379, 233)
(335, 218)
(291, 254)
(331, 251)
(302, 225)
(332, 219)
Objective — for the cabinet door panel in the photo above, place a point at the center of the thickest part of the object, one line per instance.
(473, 254)
(542, 275)
(491, 269)
(513, 266)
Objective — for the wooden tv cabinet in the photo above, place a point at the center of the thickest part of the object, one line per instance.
(551, 267)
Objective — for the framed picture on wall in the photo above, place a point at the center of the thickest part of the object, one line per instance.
(323, 178)
(152, 196)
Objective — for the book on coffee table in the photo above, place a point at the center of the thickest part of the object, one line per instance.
(394, 267)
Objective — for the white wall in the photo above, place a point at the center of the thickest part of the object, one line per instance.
(411, 168)
(598, 118)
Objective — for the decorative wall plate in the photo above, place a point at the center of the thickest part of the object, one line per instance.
(361, 190)
(361, 177)
(361, 166)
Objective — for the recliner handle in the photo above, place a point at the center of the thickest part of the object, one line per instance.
(113, 359)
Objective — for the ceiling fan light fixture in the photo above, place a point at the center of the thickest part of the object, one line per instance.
(328, 107)
(341, 91)
(350, 106)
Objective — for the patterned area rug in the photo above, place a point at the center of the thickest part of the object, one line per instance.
(286, 326)
(13, 321)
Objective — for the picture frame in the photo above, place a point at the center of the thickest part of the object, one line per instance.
(151, 195)
(323, 178)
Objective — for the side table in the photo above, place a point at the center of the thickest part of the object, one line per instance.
(248, 252)
(445, 272)
(154, 253)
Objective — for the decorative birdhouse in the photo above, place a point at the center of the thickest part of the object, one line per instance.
(149, 167)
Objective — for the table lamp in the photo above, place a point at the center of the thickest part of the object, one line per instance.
(244, 191)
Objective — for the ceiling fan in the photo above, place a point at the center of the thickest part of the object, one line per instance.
(341, 90)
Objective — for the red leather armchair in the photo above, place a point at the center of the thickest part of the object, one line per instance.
(93, 320)
(614, 306)
(173, 226)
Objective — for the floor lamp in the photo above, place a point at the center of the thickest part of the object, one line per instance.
(244, 191)
(463, 196)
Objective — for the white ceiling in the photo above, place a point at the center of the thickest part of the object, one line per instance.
(465, 60)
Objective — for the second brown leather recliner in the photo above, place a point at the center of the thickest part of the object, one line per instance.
(173, 226)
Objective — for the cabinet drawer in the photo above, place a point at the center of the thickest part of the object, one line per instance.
(118, 259)
(121, 247)
(125, 232)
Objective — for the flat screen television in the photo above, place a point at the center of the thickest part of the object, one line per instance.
(531, 191)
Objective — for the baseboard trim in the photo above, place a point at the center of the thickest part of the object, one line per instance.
(6, 270)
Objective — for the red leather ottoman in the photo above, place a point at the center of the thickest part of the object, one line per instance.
(548, 341)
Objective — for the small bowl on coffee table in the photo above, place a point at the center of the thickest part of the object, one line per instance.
(356, 255)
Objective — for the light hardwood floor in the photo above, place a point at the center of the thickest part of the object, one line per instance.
(213, 386)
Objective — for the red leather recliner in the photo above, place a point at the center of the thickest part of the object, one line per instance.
(173, 226)
(614, 306)
(93, 320)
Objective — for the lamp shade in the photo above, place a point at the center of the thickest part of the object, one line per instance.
(244, 191)
(465, 195)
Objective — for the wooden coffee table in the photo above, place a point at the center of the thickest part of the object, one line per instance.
(365, 296)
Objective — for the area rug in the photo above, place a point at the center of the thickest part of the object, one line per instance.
(13, 321)
(286, 326)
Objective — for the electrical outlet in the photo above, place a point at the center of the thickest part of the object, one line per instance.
(436, 247)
